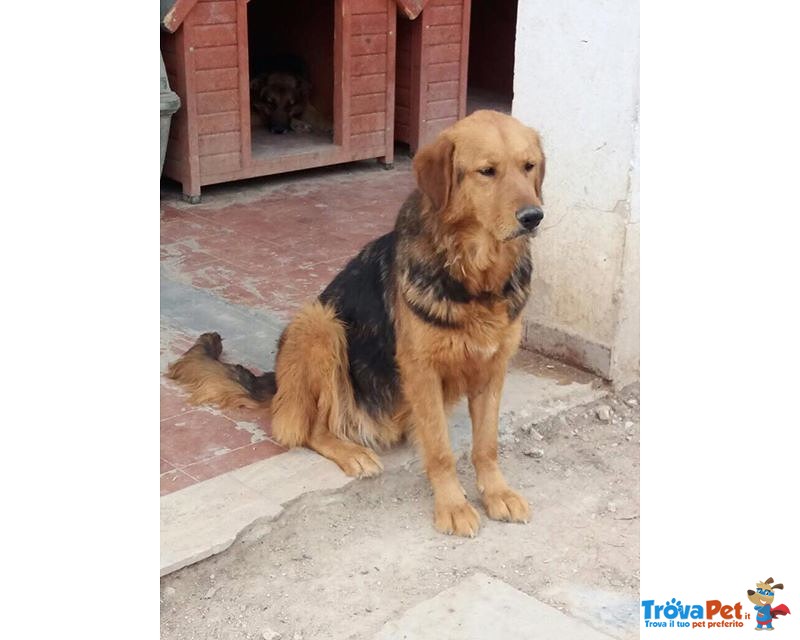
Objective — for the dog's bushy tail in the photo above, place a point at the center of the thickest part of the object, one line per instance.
(211, 381)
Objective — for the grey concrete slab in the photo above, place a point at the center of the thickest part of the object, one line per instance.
(206, 518)
(609, 611)
(482, 607)
(289, 475)
(250, 336)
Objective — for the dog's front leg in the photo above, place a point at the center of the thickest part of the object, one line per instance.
(452, 512)
(501, 502)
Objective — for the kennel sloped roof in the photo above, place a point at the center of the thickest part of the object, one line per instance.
(173, 12)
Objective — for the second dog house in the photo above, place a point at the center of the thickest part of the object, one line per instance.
(349, 46)
(432, 53)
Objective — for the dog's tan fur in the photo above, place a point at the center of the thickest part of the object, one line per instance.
(444, 350)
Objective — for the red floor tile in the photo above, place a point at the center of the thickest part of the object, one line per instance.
(239, 285)
(179, 226)
(173, 401)
(234, 460)
(175, 480)
(259, 418)
(184, 258)
(199, 435)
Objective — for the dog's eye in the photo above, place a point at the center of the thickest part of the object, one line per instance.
(487, 171)
(529, 166)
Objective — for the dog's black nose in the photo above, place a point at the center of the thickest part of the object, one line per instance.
(530, 216)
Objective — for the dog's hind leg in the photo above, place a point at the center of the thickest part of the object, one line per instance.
(314, 391)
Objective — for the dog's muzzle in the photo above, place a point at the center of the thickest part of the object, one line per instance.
(529, 217)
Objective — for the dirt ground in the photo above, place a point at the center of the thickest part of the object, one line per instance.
(339, 565)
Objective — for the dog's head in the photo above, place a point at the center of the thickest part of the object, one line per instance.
(278, 97)
(485, 170)
(764, 593)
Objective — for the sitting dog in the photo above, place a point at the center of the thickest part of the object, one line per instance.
(422, 316)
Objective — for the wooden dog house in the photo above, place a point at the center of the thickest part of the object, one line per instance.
(432, 53)
(206, 50)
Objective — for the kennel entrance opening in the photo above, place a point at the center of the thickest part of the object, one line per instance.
(299, 37)
(347, 47)
(492, 38)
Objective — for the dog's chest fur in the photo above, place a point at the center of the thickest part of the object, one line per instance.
(459, 333)
(398, 284)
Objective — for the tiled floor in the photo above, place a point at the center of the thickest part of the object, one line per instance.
(264, 246)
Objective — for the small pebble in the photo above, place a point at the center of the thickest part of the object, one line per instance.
(210, 593)
(534, 453)
(603, 412)
(269, 634)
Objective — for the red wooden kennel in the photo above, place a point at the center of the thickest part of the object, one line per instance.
(432, 53)
(206, 52)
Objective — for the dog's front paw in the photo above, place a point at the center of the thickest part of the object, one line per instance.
(460, 518)
(360, 462)
(507, 505)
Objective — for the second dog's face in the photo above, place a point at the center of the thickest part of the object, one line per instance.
(279, 97)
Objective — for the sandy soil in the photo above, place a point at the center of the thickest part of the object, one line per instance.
(340, 565)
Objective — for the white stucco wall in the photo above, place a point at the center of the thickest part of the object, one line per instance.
(576, 81)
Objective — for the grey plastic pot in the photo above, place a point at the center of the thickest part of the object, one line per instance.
(170, 103)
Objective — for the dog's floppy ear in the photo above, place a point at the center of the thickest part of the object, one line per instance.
(256, 85)
(540, 167)
(433, 166)
(540, 178)
(303, 90)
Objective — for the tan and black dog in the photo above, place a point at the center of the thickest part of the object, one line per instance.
(422, 316)
(281, 97)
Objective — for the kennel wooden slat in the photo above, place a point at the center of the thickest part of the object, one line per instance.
(213, 137)
(224, 57)
(432, 55)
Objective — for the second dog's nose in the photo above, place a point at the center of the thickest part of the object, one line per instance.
(530, 216)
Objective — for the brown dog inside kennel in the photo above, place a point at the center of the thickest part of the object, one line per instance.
(290, 47)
